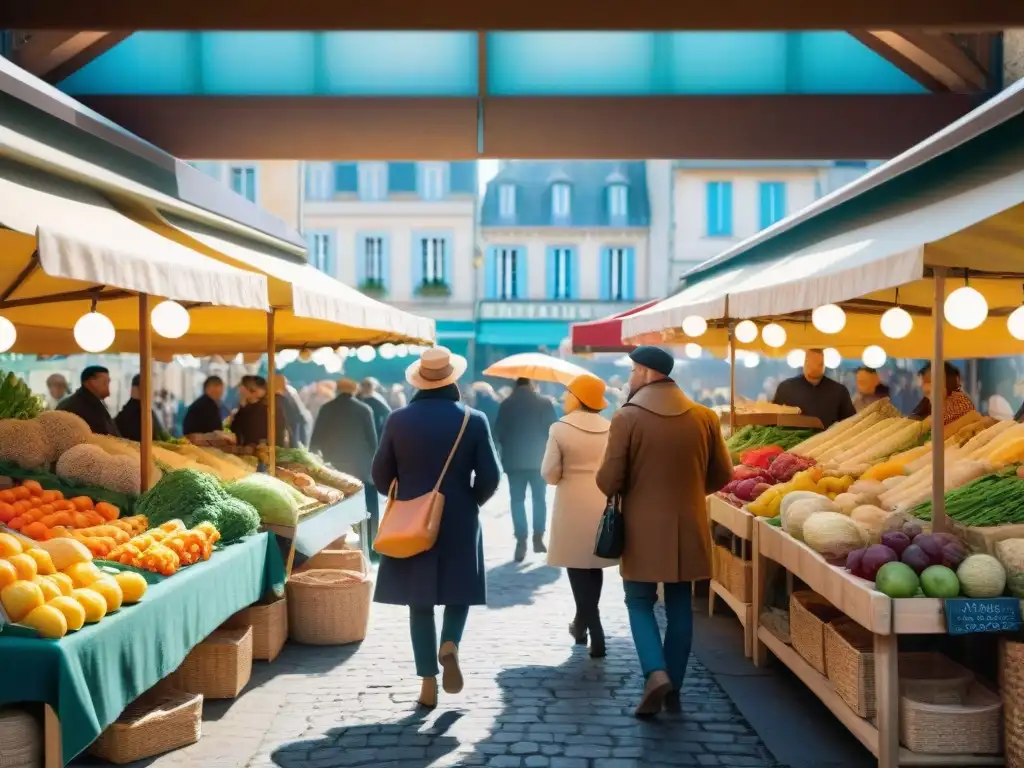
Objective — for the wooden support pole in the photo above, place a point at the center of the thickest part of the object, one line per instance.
(145, 392)
(271, 395)
(940, 522)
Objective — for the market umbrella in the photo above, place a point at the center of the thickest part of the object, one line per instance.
(536, 366)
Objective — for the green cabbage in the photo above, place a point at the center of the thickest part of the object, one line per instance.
(271, 497)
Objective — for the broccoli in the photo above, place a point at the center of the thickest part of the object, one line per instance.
(179, 493)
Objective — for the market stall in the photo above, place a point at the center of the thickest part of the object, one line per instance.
(604, 335)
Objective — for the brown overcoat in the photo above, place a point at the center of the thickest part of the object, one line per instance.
(665, 455)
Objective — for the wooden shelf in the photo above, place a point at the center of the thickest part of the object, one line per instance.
(738, 521)
(744, 612)
(863, 730)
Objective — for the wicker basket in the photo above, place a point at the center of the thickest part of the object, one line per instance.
(269, 622)
(850, 661)
(21, 739)
(720, 557)
(809, 612)
(219, 667)
(338, 560)
(972, 727)
(328, 607)
(934, 678)
(741, 578)
(150, 726)
(1011, 685)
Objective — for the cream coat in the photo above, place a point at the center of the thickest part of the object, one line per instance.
(576, 445)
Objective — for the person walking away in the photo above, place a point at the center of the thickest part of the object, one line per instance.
(576, 446)
(203, 415)
(958, 402)
(869, 388)
(370, 394)
(397, 397)
(487, 401)
(56, 390)
(129, 419)
(346, 437)
(412, 454)
(665, 455)
(524, 418)
(87, 402)
(814, 393)
(250, 422)
(300, 423)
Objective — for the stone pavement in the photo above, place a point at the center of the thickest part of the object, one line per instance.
(532, 698)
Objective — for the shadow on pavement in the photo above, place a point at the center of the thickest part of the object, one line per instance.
(511, 584)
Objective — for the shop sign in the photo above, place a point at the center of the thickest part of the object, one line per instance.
(965, 615)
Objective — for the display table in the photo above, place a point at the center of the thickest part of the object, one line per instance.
(884, 617)
(315, 531)
(741, 524)
(88, 678)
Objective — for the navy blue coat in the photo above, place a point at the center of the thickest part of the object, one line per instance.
(415, 444)
(524, 420)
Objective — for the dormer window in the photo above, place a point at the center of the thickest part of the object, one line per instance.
(507, 201)
(561, 197)
(618, 203)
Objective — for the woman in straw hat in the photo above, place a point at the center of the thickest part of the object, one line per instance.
(574, 451)
(416, 442)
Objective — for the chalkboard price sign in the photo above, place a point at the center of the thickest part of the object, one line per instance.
(966, 615)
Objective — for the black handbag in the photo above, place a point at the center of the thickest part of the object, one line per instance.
(611, 532)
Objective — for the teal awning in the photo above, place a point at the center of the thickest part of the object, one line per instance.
(522, 333)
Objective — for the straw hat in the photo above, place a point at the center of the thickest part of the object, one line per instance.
(436, 368)
(589, 390)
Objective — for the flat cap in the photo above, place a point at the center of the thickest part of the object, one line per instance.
(655, 358)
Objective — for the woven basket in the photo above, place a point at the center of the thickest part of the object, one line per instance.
(269, 622)
(219, 667)
(934, 678)
(971, 727)
(850, 661)
(21, 739)
(338, 560)
(328, 607)
(150, 726)
(720, 557)
(741, 578)
(809, 612)
(1011, 685)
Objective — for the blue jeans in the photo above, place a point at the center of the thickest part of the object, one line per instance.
(517, 482)
(671, 655)
(423, 629)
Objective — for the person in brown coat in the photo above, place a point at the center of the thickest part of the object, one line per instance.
(665, 455)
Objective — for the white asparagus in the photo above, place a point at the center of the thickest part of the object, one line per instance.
(883, 431)
(846, 439)
(841, 426)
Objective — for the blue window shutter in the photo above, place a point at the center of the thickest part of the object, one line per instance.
(491, 274)
(417, 261)
(606, 273)
(765, 195)
(574, 274)
(726, 202)
(551, 285)
(449, 276)
(780, 201)
(522, 283)
(711, 192)
(629, 279)
(360, 259)
(385, 260)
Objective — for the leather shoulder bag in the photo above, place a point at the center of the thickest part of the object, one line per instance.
(410, 527)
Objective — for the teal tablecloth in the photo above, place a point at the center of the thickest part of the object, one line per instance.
(90, 676)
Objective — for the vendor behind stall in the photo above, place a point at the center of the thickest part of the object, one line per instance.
(87, 403)
(204, 415)
(129, 420)
(250, 422)
(870, 388)
(958, 403)
(814, 393)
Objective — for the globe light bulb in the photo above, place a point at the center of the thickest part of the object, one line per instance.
(1014, 324)
(8, 334)
(694, 326)
(286, 357)
(387, 351)
(401, 350)
(305, 355)
(746, 331)
(774, 335)
(334, 365)
(94, 332)
(323, 355)
(896, 323)
(966, 308)
(832, 357)
(795, 358)
(751, 360)
(366, 353)
(874, 356)
(693, 351)
(170, 319)
(829, 318)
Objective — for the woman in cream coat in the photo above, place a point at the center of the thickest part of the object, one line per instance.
(574, 452)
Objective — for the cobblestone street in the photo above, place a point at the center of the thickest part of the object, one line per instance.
(531, 698)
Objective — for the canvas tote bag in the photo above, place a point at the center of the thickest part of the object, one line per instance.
(410, 528)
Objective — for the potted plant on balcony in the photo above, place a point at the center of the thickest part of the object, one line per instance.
(373, 287)
(437, 288)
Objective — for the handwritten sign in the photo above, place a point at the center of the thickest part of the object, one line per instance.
(966, 615)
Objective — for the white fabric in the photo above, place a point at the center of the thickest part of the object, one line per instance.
(575, 449)
(314, 295)
(81, 236)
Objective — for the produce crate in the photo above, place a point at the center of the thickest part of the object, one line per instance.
(269, 622)
(934, 677)
(972, 726)
(328, 607)
(219, 667)
(850, 661)
(21, 739)
(151, 725)
(809, 612)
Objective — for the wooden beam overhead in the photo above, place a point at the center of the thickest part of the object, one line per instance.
(964, 15)
(52, 54)
(721, 128)
(934, 59)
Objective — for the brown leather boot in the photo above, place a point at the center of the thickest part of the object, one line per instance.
(657, 688)
(428, 693)
(451, 675)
